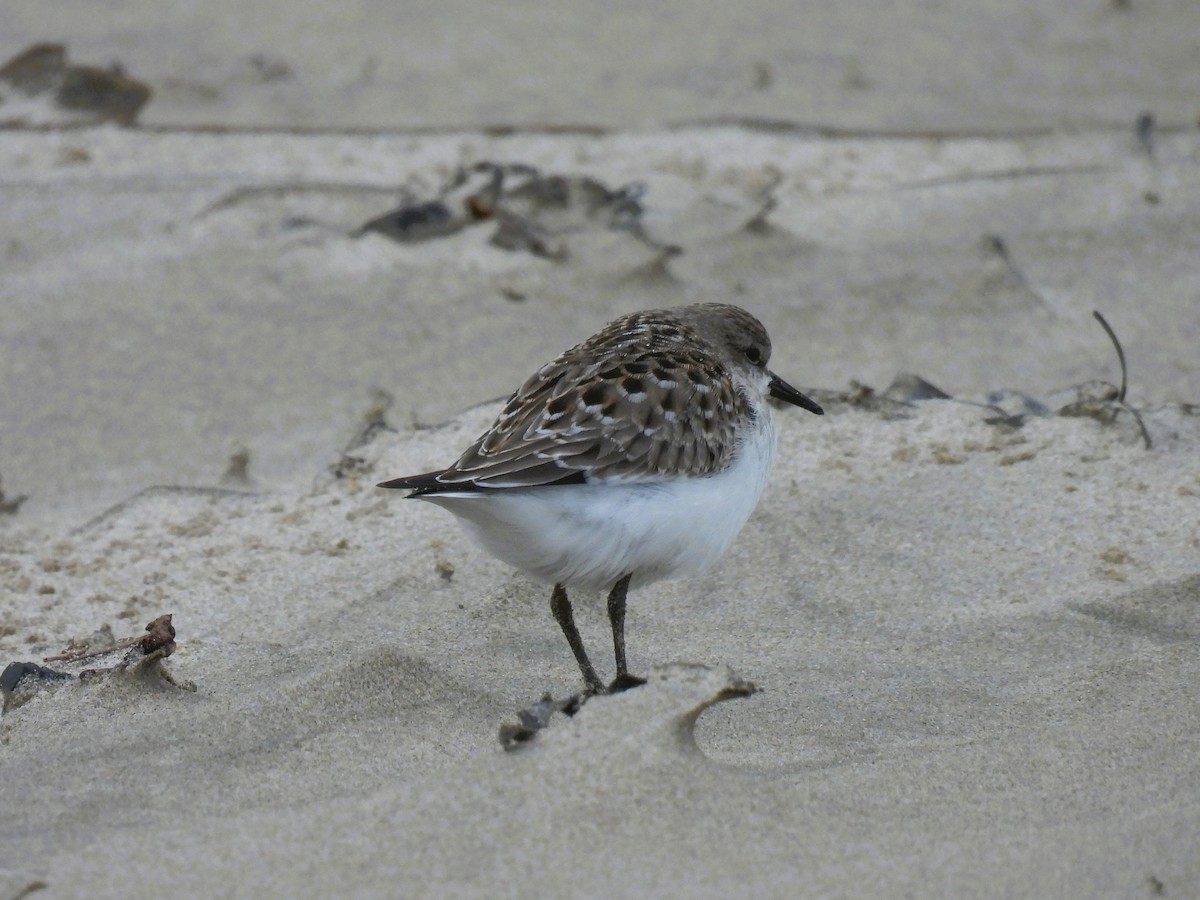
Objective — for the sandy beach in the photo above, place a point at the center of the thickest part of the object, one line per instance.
(954, 651)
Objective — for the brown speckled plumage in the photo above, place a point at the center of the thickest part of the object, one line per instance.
(646, 398)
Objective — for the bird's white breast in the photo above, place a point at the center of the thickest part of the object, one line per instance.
(588, 536)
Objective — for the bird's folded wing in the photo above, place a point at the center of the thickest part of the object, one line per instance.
(650, 414)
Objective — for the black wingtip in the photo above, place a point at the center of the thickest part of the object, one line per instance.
(425, 482)
(430, 483)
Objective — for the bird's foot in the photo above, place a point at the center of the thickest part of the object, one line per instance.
(624, 682)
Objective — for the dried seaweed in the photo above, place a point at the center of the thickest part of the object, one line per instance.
(142, 654)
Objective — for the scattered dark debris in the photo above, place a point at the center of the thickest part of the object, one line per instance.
(655, 270)
(1145, 129)
(374, 421)
(15, 673)
(1006, 423)
(348, 465)
(160, 636)
(268, 68)
(527, 234)
(574, 197)
(853, 76)
(757, 223)
(66, 94)
(470, 195)
(21, 680)
(541, 715)
(533, 212)
(78, 648)
(237, 473)
(30, 889)
(534, 718)
(10, 505)
(416, 222)
(1099, 399)
(909, 388)
(74, 156)
(1112, 336)
(764, 75)
(995, 244)
(1010, 409)
(1096, 400)
(862, 396)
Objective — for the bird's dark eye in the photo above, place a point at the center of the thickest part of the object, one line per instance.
(754, 355)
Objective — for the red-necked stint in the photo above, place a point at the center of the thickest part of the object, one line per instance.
(635, 456)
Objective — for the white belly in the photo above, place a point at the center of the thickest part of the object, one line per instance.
(589, 536)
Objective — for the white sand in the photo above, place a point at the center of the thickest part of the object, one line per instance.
(976, 646)
(977, 673)
(902, 65)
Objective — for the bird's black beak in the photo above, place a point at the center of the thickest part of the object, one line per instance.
(781, 390)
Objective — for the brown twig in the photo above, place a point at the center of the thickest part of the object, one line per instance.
(160, 636)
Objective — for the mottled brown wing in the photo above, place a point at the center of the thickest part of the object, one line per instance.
(642, 399)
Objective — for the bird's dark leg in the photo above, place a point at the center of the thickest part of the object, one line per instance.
(616, 615)
(561, 607)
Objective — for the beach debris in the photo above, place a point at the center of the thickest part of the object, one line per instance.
(536, 214)
(21, 680)
(996, 246)
(237, 473)
(1144, 129)
(766, 203)
(140, 655)
(266, 68)
(15, 673)
(469, 195)
(29, 889)
(1101, 400)
(909, 388)
(538, 716)
(159, 639)
(533, 212)
(373, 422)
(39, 87)
(534, 718)
(673, 695)
(863, 396)
(10, 505)
(1014, 407)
